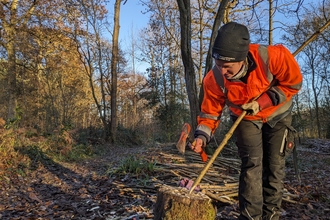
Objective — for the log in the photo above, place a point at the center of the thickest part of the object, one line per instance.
(176, 203)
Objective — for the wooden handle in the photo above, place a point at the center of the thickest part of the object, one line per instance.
(217, 151)
(203, 156)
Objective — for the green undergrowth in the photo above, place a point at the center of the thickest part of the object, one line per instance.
(133, 165)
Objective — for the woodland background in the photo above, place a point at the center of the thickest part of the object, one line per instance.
(62, 66)
(69, 92)
(63, 72)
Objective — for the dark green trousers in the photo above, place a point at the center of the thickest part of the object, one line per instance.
(262, 169)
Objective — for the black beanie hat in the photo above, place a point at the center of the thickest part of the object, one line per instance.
(231, 43)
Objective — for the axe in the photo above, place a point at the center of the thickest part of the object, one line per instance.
(184, 141)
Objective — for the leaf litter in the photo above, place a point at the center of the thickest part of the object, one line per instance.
(91, 190)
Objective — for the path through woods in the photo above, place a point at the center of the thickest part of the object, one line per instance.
(86, 190)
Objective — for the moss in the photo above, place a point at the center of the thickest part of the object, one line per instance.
(175, 203)
(197, 209)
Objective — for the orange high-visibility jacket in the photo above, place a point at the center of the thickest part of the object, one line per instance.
(268, 63)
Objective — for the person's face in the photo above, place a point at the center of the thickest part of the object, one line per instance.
(229, 69)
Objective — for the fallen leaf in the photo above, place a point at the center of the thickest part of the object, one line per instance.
(33, 196)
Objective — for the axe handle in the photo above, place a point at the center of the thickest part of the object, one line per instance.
(202, 153)
(203, 156)
(217, 151)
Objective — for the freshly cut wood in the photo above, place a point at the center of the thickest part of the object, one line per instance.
(176, 203)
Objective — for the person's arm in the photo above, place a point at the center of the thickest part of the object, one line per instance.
(211, 109)
(286, 71)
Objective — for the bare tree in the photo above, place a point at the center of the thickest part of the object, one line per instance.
(89, 23)
(314, 59)
(190, 77)
(114, 75)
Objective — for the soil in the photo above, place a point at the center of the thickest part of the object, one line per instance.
(91, 190)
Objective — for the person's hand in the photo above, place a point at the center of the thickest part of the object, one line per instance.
(252, 108)
(197, 145)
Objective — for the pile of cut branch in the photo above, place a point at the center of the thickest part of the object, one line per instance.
(219, 183)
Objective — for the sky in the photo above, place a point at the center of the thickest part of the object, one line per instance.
(132, 18)
(132, 21)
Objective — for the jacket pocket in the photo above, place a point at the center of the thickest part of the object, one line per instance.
(288, 143)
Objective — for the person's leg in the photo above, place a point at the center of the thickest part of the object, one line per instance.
(249, 143)
(273, 168)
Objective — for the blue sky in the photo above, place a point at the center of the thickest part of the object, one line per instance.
(132, 21)
(132, 18)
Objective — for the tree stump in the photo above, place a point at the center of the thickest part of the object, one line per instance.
(175, 203)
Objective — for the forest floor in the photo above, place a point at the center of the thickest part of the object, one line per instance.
(92, 189)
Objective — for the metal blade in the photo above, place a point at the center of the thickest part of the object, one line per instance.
(181, 145)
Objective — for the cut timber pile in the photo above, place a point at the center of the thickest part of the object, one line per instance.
(220, 182)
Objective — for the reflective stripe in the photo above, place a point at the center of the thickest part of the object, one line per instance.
(208, 116)
(297, 86)
(279, 93)
(219, 79)
(263, 53)
(205, 129)
(280, 113)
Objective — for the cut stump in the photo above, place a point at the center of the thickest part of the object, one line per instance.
(175, 203)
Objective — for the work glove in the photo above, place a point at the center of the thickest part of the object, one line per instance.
(201, 139)
(264, 101)
(252, 108)
(198, 145)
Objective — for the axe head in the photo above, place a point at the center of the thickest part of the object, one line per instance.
(181, 145)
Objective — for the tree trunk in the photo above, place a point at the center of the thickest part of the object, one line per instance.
(114, 74)
(177, 204)
(9, 27)
(10, 24)
(11, 76)
(208, 63)
(188, 63)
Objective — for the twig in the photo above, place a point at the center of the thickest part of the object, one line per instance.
(223, 200)
(292, 201)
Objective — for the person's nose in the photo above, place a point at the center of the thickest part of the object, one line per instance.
(223, 70)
